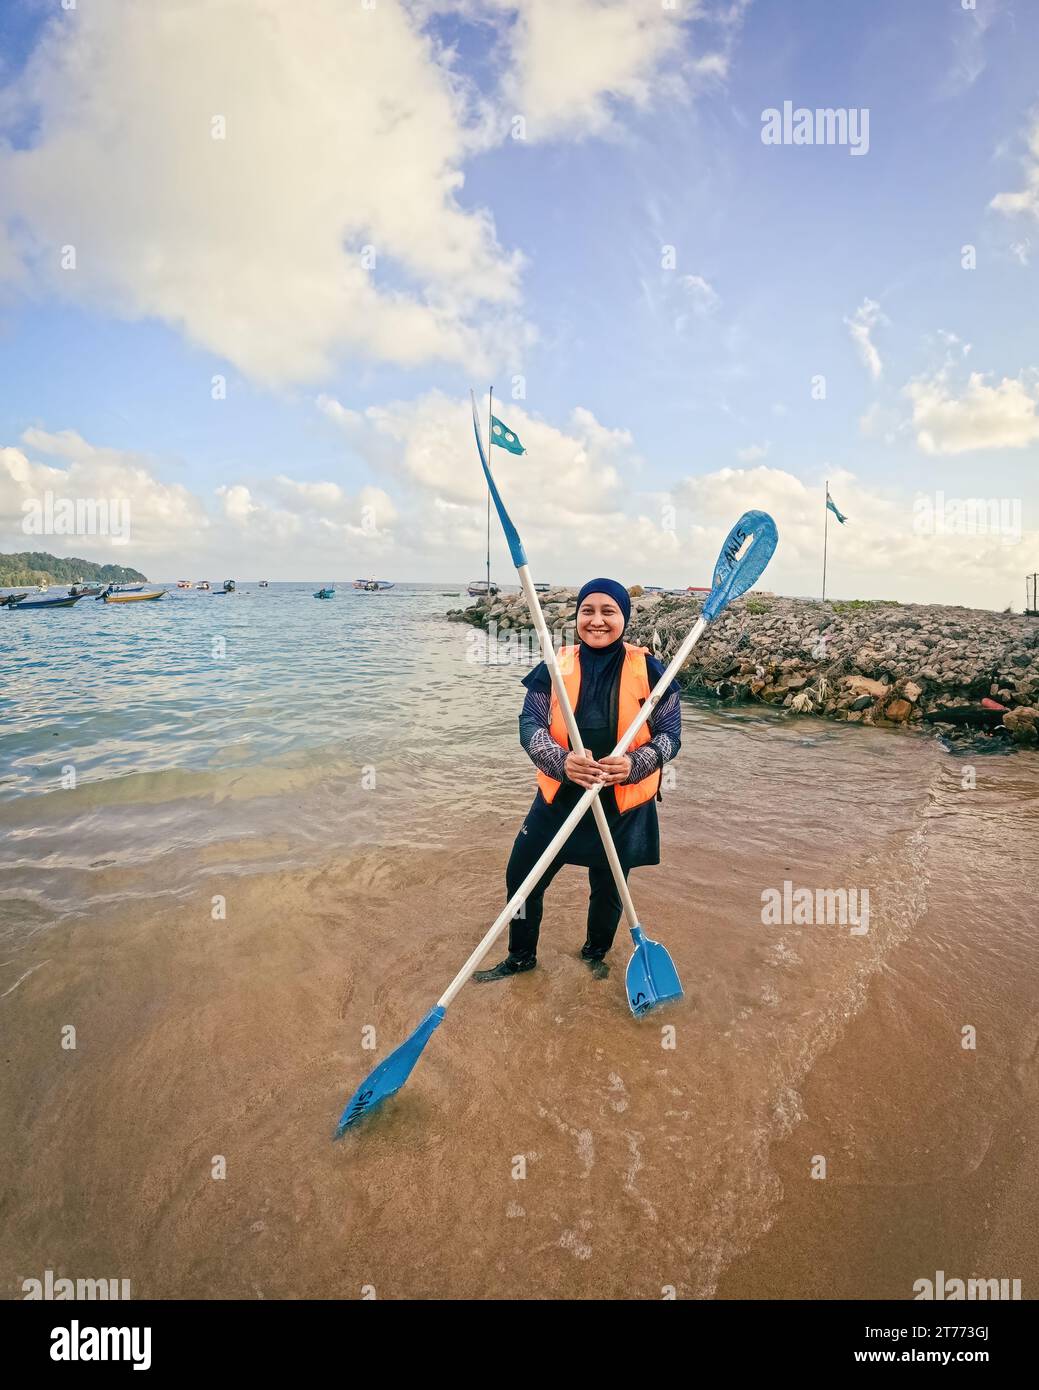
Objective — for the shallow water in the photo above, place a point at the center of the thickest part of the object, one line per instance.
(650, 1160)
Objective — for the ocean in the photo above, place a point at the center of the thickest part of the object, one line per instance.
(288, 829)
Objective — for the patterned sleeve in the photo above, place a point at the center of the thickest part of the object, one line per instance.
(544, 752)
(665, 726)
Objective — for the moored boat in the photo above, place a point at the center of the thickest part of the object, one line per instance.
(373, 586)
(265, 584)
(204, 585)
(325, 593)
(184, 584)
(477, 588)
(50, 601)
(133, 598)
(9, 600)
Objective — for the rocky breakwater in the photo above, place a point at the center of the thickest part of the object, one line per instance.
(966, 672)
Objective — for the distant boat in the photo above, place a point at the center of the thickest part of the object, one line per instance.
(542, 588)
(478, 588)
(264, 584)
(229, 586)
(373, 585)
(132, 598)
(325, 593)
(84, 590)
(183, 583)
(652, 589)
(204, 585)
(11, 599)
(54, 601)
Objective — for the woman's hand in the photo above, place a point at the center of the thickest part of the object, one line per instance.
(615, 770)
(584, 770)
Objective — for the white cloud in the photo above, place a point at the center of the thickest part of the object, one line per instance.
(1003, 416)
(704, 297)
(573, 61)
(867, 317)
(342, 131)
(878, 554)
(753, 452)
(1025, 200)
(159, 514)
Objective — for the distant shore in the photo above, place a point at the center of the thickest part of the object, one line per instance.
(966, 672)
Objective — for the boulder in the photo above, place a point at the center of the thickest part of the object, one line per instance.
(1022, 724)
(859, 685)
(912, 691)
(898, 711)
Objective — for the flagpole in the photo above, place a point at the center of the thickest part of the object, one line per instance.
(826, 529)
(490, 442)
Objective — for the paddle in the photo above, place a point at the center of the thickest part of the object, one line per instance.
(651, 977)
(747, 550)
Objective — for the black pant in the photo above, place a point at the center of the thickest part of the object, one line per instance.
(604, 904)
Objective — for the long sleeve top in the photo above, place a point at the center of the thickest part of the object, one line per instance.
(636, 832)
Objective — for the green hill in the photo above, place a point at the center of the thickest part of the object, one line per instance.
(37, 567)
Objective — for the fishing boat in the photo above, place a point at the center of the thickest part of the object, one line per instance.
(229, 586)
(204, 585)
(52, 601)
(84, 590)
(373, 586)
(652, 589)
(184, 584)
(265, 584)
(133, 598)
(542, 588)
(325, 593)
(478, 588)
(9, 600)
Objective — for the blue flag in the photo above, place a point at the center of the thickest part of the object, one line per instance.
(832, 506)
(504, 437)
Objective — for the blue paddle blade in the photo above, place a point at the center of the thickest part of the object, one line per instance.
(747, 550)
(651, 977)
(388, 1076)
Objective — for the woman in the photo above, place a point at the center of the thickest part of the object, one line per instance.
(607, 680)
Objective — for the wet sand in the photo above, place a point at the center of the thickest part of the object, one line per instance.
(646, 1167)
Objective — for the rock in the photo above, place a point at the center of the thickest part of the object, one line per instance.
(859, 685)
(1022, 724)
(898, 711)
(912, 691)
(863, 702)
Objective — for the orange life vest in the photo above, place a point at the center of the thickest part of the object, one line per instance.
(634, 690)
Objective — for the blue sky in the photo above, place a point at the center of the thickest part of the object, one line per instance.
(692, 384)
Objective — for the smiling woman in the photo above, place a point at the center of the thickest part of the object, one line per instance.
(607, 680)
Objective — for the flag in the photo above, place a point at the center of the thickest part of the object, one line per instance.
(504, 437)
(832, 506)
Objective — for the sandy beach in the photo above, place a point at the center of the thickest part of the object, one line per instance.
(646, 1167)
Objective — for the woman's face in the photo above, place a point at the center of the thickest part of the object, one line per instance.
(599, 620)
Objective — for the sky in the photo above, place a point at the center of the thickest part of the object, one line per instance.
(254, 255)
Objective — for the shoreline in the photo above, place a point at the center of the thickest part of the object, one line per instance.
(968, 674)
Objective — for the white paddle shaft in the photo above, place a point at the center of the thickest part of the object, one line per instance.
(566, 829)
